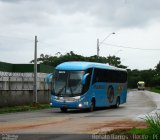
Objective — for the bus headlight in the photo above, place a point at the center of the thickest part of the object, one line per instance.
(80, 105)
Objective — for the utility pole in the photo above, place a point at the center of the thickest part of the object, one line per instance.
(99, 43)
(35, 71)
(98, 47)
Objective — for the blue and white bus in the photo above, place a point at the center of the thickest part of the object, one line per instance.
(80, 85)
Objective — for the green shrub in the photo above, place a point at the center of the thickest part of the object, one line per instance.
(153, 123)
(152, 132)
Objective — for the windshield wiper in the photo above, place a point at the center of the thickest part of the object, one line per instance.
(71, 91)
(60, 91)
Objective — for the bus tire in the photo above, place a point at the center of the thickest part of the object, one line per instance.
(92, 107)
(117, 102)
(63, 109)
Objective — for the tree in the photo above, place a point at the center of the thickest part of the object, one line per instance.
(71, 56)
(115, 61)
(158, 67)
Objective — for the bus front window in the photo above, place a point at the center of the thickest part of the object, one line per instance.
(68, 83)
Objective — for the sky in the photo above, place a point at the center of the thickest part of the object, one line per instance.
(74, 25)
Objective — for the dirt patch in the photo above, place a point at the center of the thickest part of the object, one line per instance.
(121, 131)
(108, 126)
(26, 125)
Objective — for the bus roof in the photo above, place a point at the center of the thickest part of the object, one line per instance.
(82, 65)
(141, 82)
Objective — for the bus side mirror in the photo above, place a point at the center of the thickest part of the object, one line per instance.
(84, 78)
(48, 78)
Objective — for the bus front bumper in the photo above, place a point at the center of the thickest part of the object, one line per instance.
(70, 105)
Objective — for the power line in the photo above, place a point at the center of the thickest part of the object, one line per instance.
(120, 46)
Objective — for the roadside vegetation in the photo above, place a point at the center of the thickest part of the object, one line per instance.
(151, 78)
(155, 89)
(152, 132)
(23, 108)
(153, 129)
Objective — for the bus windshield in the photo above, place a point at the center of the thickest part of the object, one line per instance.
(67, 83)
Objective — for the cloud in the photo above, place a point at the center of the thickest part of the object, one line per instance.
(65, 25)
(106, 13)
(118, 14)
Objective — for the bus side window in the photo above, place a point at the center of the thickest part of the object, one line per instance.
(95, 76)
(113, 76)
(99, 75)
(86, 86)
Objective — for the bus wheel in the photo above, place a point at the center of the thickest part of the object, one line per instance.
(117, 102)
(63, 109)
(92, 107)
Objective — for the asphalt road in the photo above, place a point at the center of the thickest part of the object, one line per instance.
(51, 121)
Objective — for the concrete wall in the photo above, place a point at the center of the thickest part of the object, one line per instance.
(17, 89)
(15, 98)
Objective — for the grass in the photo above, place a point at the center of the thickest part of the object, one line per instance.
(153, 123)
(155, 89)
(153, 129)
(31, 107)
